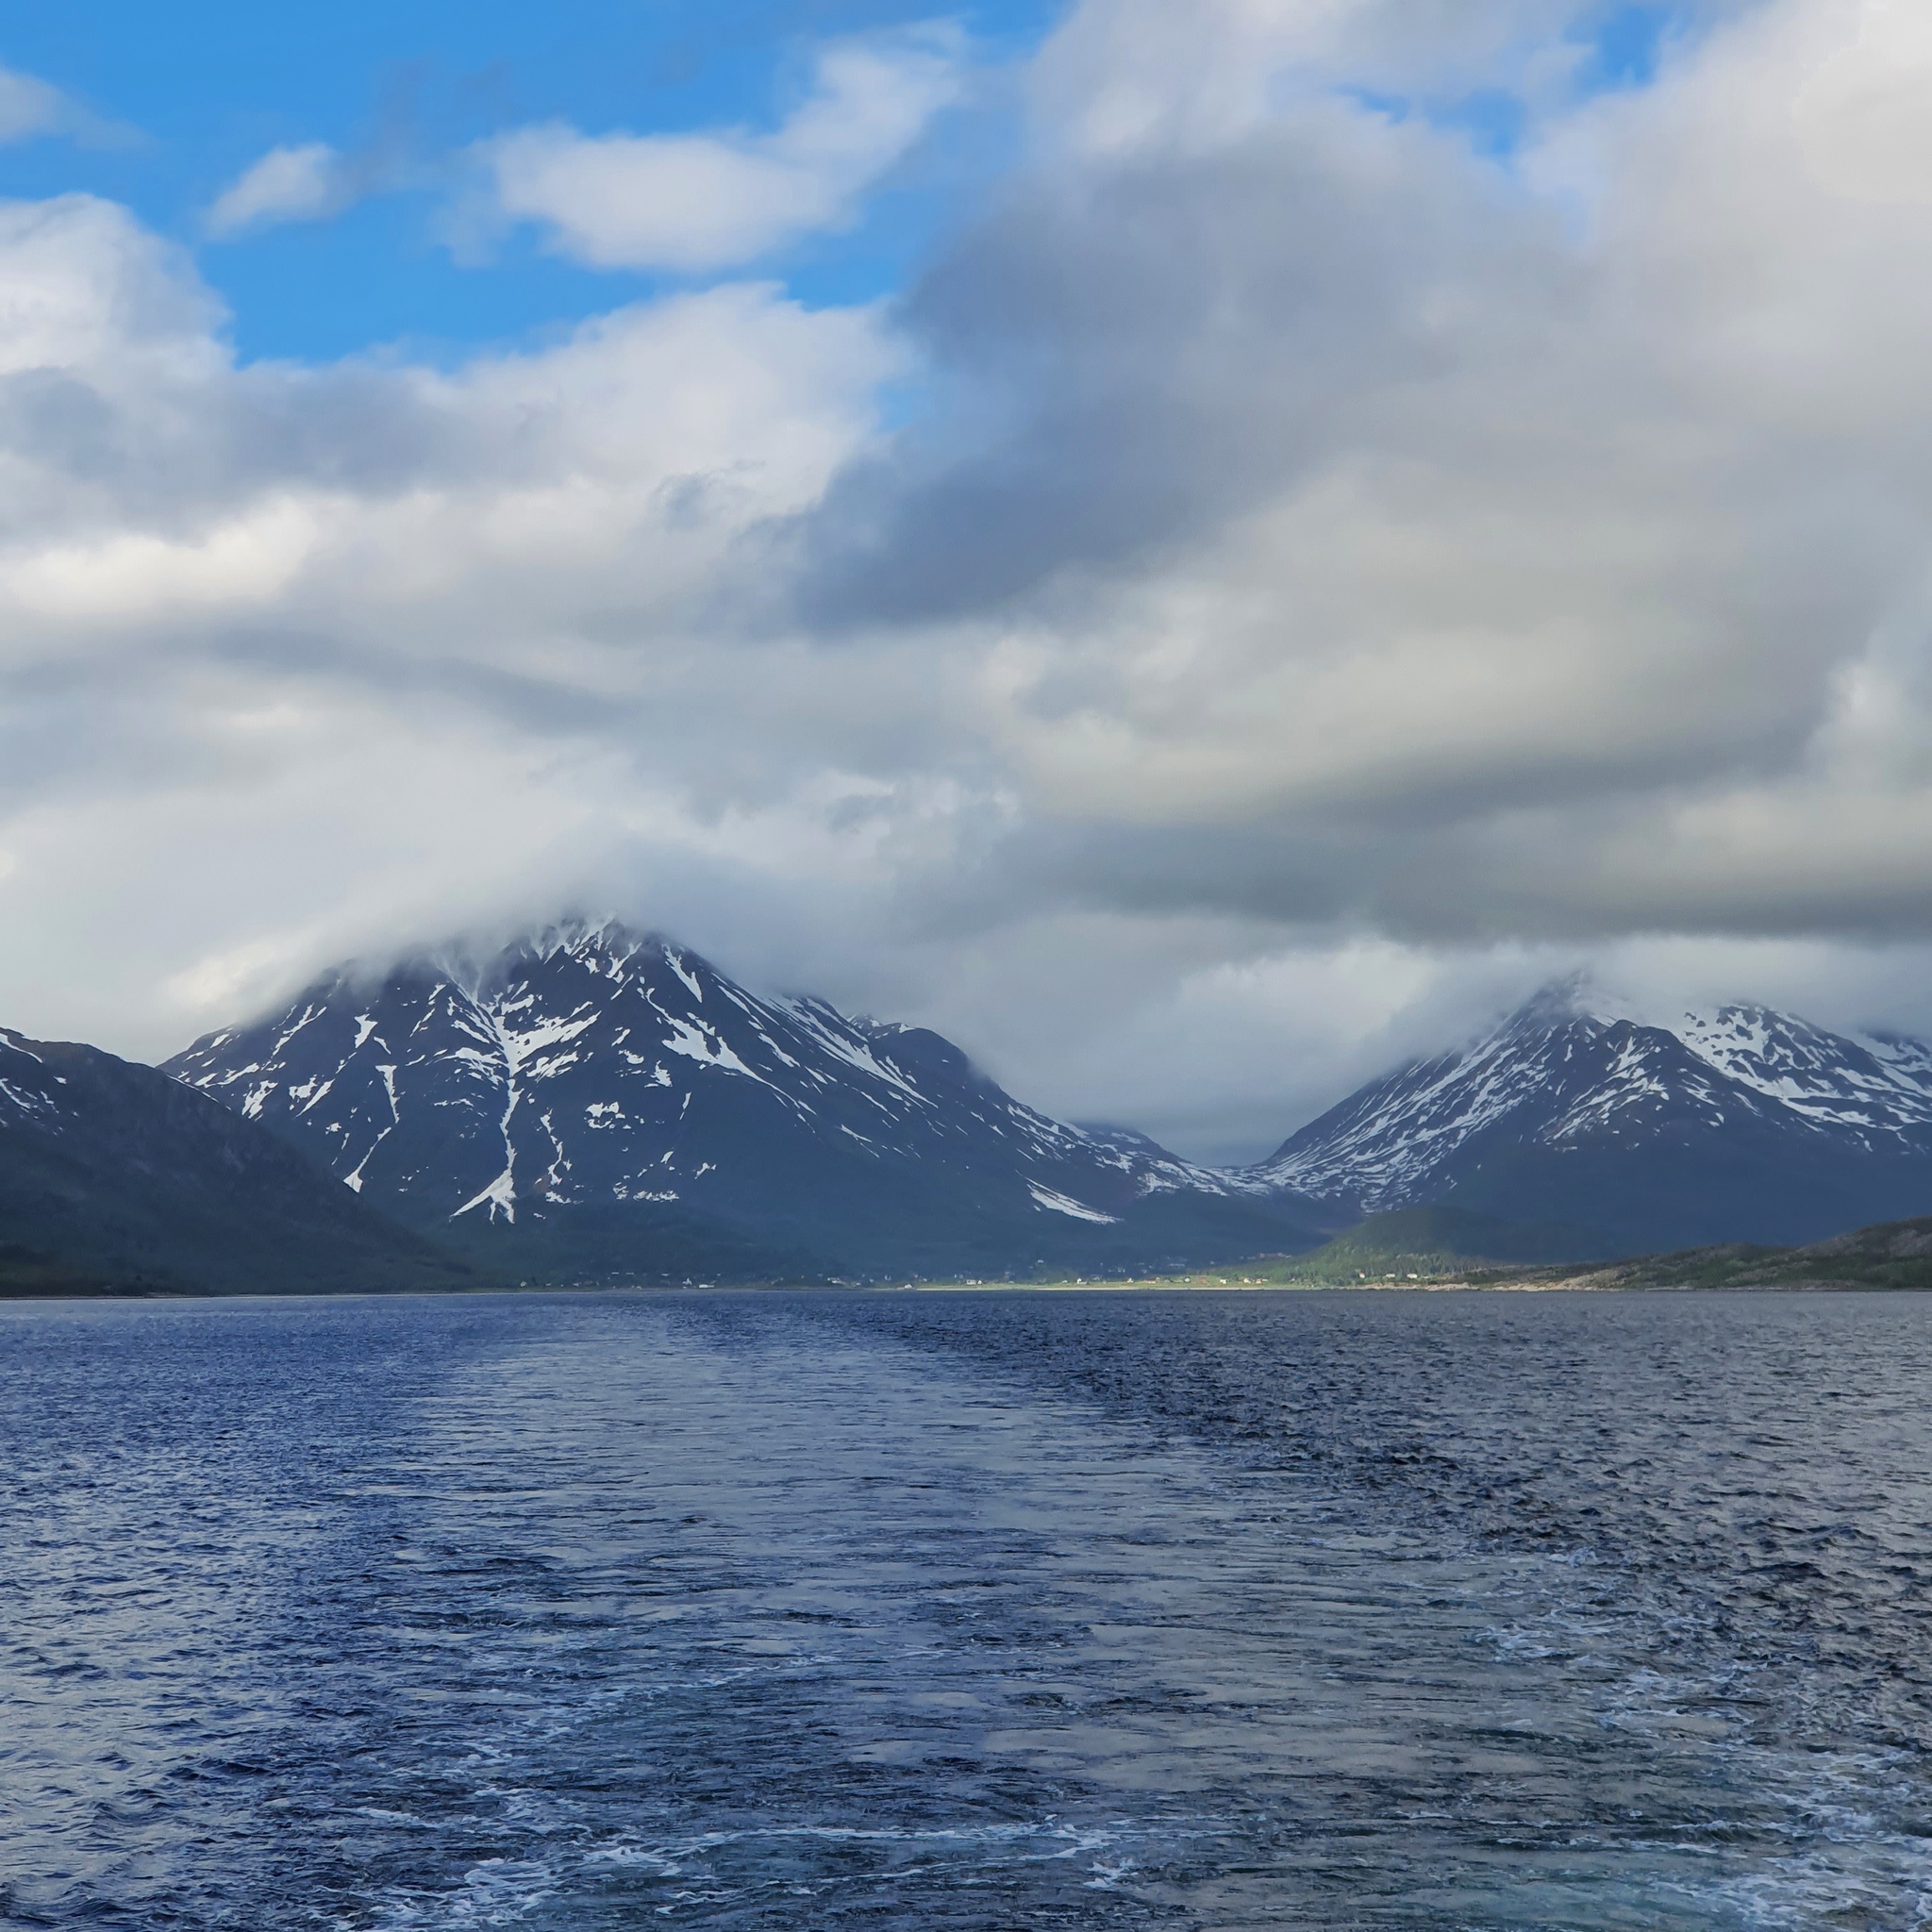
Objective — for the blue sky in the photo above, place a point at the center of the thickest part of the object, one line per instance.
(409, 84)
(418, 80)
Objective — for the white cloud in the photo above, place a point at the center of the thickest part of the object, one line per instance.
(1349, 578)
(290, 660)
(286, 183)
(1862, 112)
(702, 202)
(31, 108)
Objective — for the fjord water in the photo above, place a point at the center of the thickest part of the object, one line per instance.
(967, 1610)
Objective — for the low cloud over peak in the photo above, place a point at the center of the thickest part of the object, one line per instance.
(1291, 569)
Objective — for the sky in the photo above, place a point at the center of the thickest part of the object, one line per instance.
(1200, 551)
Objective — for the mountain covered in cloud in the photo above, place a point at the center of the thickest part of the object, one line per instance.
(1738, 1123)
(594, 1102)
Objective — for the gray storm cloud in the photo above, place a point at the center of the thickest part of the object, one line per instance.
(1348, 566)
(1371, 527)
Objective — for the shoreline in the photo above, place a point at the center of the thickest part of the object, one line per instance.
(1565, 1285)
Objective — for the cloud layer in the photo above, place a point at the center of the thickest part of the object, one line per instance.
(1338, 563)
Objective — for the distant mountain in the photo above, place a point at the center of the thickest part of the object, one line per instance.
(593, 1101)
(1737, 1125)
(114, 1178)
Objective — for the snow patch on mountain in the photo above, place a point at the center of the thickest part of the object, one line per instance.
(593, 1064)
(1571, 1068)
(1065, 1204)
(25, 1097)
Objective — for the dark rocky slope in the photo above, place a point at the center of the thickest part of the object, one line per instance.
(115, 1178)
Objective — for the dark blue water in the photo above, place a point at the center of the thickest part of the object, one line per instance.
(989, 1611)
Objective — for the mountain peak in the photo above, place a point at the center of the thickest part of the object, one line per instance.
(1571, 997)
(606, 945)
(1740, 1122)
(590, 1071)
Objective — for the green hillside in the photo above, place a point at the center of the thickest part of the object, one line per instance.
(1424, 1242)
(1891, 1253)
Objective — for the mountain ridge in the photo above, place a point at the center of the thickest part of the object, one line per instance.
(606, 1103)
(1738, 1122)
(590, 1072)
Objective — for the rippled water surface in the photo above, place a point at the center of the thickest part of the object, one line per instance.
(967, 1610)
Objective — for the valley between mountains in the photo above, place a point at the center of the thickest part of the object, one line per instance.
(598, 1105)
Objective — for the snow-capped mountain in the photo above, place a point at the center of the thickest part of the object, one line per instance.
(609, 1087)
(114, 1176)
(593, 1102)
(1738, 1123)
